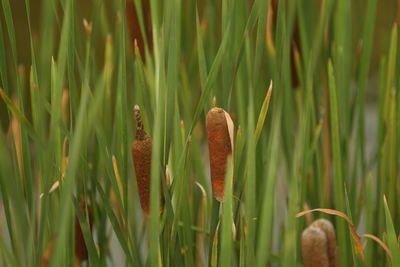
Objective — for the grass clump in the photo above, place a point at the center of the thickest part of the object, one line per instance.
(310, 85)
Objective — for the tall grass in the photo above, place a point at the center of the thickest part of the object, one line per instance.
(67, 126)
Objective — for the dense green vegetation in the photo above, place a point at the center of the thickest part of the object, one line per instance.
(67, 125)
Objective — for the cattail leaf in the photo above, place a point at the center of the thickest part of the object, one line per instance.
(380, 243)
(200, 52)
(268, 199)
(3, 63)
(214, 250)
(201, 223)
(338, 166)
(391, 236)
(16, 111)
(231, 129)
(227, 232)
(263, 113)
(84, 230)
(115, 225)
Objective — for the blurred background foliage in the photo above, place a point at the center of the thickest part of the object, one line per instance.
(388, 11)
(314, 150)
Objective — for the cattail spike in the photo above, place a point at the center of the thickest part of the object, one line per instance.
(314, 247)
(319, 245)
(140, 133)
(141, 155)
(327, 227)
(219, 127)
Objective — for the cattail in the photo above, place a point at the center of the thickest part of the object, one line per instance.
(329, 231)
(314, 244)
(295, 39)
(141, 154)
(135, 32)
(319, 246)
(220, 144)
(81, 252)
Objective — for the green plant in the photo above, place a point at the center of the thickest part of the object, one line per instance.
(68, 90)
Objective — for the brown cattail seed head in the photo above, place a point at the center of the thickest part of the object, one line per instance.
(319, 244)
(141, 154)
(81, 252)
(135, 33)
(220, 144)
(314, 247)
(327, 227)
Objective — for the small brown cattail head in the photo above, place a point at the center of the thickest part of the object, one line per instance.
(329, 231)
(319, 244)
(314, 247)
(220, 144)
(141, 154)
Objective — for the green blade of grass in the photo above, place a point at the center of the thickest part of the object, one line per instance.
(87, 234)
(250, 188)
(227, 225)
(391, 236)
(265, 229)
(338, 183)
(115, 225)
(368, 34)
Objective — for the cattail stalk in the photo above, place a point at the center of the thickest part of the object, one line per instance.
(141, 154)
(220, 143)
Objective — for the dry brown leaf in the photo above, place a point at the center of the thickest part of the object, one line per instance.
(380, 243)
(231, 128)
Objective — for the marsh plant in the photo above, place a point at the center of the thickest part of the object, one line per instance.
(199, 133)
